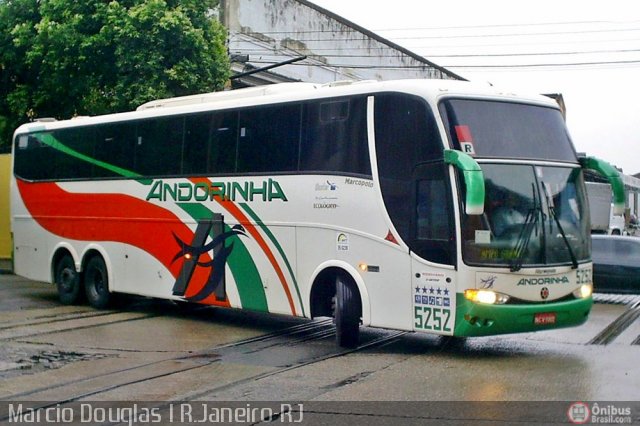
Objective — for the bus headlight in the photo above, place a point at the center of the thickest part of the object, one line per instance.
(489, 297)
(583, 291)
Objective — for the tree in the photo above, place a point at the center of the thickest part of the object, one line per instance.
(61, 58)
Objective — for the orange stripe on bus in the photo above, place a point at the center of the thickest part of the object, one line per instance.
(112, 217)
(244, 220)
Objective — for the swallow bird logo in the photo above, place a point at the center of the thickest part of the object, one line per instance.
(192, 254)
(489, 281)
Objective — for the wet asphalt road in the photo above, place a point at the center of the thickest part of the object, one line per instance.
(151, 350)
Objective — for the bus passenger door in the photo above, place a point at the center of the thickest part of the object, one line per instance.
(432, 226)
(433, 247)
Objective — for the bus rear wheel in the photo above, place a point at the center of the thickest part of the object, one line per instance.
(347, 313)
(96, 283)
(67, 281)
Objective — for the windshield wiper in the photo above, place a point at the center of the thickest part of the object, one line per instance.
(530, 222)
(552, 212)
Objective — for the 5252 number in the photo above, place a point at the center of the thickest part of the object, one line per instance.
(583, 276)
(432, 319)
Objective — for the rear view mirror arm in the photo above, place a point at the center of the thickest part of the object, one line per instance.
(473, 179)
(613, 177)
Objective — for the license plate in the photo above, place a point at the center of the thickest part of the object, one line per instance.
(544, 318)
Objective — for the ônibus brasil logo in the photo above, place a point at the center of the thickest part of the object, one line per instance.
(578, 413)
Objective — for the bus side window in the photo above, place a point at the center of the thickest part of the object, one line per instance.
(223, 143)
(32, 158)
(268, 139)
(210, 143)
(334, 138)
(114, 145)
(406, 136)
(195, 151)
(76, 142)
(159, 146)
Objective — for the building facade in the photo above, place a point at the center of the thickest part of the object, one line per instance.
(311, 44)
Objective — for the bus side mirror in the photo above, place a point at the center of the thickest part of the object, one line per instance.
(613, 177)
(473, 179)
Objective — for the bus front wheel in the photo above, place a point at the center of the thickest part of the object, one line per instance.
(347, 313)
(96, 283)
(67, 280)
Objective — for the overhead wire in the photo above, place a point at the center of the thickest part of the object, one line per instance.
(475, 45)
(510, 66)
(516, 25)
(362, 37)
(465, 27)
(251, 51)
(519, 33)
(329, 52)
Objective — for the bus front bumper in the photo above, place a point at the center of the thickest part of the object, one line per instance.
(476, 319)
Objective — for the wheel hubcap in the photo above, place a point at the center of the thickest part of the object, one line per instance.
(66, 279)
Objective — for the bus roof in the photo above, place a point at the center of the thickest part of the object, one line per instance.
(227, 95)
(289, 92)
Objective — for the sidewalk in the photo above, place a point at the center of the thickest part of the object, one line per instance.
(6, 267)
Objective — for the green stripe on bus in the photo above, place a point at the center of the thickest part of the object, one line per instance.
(50, 140)
(267, 231)
(242, 266)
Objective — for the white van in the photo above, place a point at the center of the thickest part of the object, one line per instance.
(617, 224)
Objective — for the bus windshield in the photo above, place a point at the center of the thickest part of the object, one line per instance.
(507, 130)
(537, 219)
(534, 215)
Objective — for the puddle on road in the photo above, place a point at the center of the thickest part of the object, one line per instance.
(24, 361)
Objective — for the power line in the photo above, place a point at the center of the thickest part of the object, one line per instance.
(534, 24)
(504, 66)
(496, 55)
(334, 52)
(547, 33)
(568, 64)
(474, 46)
(346, 29)
(462, 36)
(250, 51)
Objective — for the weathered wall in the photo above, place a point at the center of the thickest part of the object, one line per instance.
(270, 31)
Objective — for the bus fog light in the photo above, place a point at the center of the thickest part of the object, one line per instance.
(584, 291)
(488, 297)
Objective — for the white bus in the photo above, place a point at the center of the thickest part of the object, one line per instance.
(419, 205)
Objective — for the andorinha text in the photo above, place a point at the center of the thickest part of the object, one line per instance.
(544, 280)
(267, 190)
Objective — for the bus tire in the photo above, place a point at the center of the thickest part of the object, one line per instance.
(347, 313)
(67, 280)
(96, 283)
